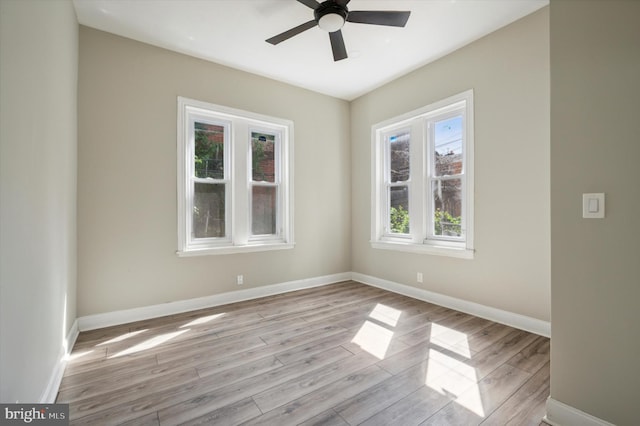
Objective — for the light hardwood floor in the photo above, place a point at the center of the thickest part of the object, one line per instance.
(342, 354)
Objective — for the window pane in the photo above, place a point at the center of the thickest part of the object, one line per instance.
(399, 209)
(448, 146)
(263, 210)
(208, 210)
(209, 151)
(447, 202)
(262, 157)
(399, 153)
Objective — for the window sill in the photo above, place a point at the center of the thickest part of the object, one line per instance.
(234, 249)
(460, 253)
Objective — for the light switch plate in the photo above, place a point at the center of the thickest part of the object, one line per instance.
(593, 206)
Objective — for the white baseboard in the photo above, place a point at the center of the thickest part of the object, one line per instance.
(92, 322)
(51, 390)
(522, 322)
(560, 414)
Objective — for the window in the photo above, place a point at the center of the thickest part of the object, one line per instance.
(422, 195)
(234, 180)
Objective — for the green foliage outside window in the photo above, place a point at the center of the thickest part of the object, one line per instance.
(399, 220)
(208, 155)
(451, 224)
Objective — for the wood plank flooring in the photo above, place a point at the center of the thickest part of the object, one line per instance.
(342, 354)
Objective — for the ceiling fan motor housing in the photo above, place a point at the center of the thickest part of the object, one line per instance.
(330, 16)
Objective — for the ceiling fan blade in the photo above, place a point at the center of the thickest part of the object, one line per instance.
(391, 18)
(337, 46)
(292, 32)
(313, 4)
(342, 2)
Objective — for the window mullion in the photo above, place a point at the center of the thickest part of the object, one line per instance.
(416, 203)
(429, 179)
(240, 186)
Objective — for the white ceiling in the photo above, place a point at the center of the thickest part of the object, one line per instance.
(233, 33)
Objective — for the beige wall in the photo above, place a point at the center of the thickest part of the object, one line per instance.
(38, 81)
(509, 73)
(595, 147)
(127, 177)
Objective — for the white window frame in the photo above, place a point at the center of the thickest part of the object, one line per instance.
(238, 125)
(420, 124)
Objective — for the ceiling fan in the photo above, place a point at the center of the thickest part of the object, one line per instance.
(331, 15)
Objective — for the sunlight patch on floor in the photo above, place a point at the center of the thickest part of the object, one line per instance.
(472, 401)
(450, 339)
(447, 382)
(374, 339)
(150, 343)
(386, 314)
(453, 364)
(202, 320)
(375, 336)
(122, 337)
(75, 356)
(450, 376)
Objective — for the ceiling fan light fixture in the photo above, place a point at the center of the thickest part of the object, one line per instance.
(331, 15)
(331, 22)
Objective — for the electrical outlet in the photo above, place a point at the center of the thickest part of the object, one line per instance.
(419, 277)
(239, 280)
